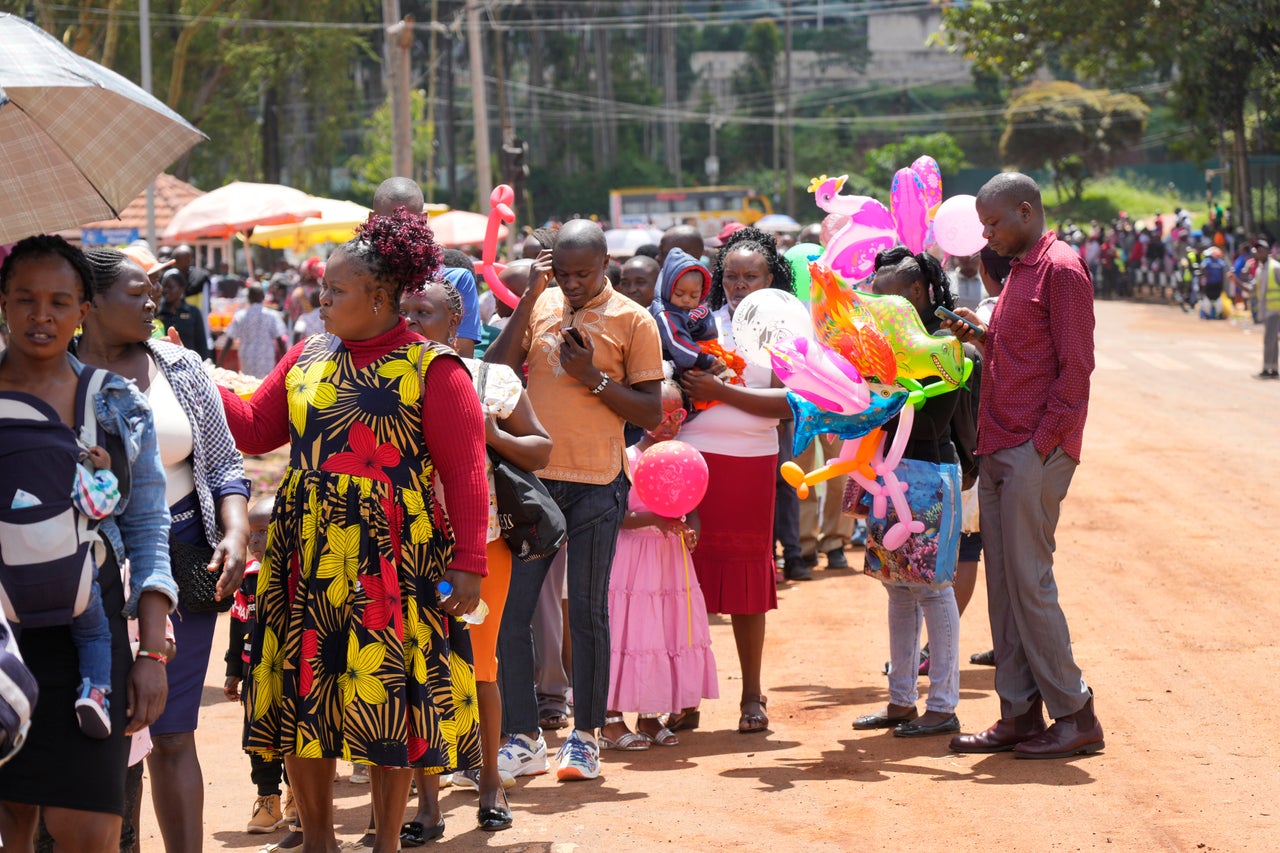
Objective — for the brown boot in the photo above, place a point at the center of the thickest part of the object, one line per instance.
(1075, 734)
(1007, 733)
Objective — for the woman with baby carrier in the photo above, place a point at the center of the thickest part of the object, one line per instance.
(207, 496)
(60, 409)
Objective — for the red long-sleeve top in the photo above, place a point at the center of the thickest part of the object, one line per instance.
(452, 428)
(1039, 354)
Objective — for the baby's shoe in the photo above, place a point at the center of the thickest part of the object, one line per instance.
(93, 711)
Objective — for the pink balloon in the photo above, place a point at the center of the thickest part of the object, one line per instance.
(820, 375)
(927, 168)
(671, 478)
(500, 201)
(909, 209)
(957, 228)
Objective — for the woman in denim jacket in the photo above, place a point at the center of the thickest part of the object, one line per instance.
(44, 295)
(206, 494)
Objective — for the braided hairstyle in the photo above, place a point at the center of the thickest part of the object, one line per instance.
(107, 264)
(761, 243)
(398, 250)
(923, 268)
(43, 246)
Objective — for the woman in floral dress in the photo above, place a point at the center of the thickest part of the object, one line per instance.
(353, 656)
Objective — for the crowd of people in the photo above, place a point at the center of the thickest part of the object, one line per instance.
(399, 391)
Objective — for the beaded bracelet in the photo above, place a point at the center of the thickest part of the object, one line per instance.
(155, 656)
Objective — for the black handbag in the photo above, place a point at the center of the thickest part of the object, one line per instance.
(196, 584)
(529, 519)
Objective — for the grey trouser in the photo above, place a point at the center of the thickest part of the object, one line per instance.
(1020, 498)
(1270, 339)
(552, 682)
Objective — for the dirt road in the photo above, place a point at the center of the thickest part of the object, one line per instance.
(1167, 553)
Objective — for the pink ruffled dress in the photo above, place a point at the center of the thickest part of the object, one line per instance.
(660, 658)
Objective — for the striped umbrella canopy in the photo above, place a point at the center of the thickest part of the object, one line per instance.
(77, 141)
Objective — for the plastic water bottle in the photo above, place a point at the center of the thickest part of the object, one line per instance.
(475, 617)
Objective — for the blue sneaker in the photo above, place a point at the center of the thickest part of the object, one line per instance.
(578, 758)
(93, 711)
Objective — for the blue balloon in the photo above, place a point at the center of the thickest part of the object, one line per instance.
(812, 421)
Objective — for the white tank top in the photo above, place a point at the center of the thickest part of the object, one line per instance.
(173, 432)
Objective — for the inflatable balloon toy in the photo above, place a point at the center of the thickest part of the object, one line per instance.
(957, 228)
(852, 250)
(768, 316)
(799, 257)
(820, 376)
(671, 478)
(910, 209)
(886, 488)
(842, 323)
(500, 201)
(871, 331)
(931, 176)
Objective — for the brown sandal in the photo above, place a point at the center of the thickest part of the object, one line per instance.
(681, 721)
(752, 723)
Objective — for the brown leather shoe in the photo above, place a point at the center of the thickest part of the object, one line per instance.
(1075, 734)
(1007, 733)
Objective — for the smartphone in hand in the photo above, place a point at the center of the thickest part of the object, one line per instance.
(571, 332)
(946, 314)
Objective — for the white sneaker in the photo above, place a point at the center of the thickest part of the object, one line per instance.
(579, 758)
(521, 756)
(469, 780)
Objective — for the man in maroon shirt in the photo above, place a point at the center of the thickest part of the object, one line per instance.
(1035, 396)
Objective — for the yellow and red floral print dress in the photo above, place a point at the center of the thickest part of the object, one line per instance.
(354, 658)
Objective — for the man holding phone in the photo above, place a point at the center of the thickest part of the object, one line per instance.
(1038, 358)
(595, 364)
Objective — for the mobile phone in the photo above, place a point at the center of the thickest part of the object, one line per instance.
(571, 332)
(946, 314)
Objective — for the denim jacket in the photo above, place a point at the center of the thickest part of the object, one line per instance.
(138, 529)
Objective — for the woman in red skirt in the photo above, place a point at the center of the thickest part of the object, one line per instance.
(739, 440)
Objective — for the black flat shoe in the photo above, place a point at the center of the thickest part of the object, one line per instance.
(881, 721)
(414, 834)
(494, 818)
(987, 658)
(951, 725)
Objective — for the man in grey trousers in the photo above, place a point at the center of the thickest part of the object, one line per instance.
(1035, 397)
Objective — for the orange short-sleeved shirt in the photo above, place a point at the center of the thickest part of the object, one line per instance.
(586, 435)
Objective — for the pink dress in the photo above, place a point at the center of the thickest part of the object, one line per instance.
(660, 656)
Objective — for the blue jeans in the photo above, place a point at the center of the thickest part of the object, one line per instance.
(907, 602)
(593, 515)
(92, 637)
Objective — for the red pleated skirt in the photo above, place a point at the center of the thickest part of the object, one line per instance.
(734, 559)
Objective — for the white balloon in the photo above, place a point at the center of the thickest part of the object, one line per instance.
(768, 316)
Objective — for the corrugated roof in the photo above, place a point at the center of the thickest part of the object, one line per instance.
(171, 196)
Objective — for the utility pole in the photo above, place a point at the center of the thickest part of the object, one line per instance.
(396, 50)
(479, 105)
(432, 57)
(790, 139)
(670, 95)
(144, 36)
(450, 128)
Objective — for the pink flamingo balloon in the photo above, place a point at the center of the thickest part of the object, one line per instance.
(852, 250)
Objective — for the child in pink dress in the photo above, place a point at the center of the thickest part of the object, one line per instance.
(660, 659)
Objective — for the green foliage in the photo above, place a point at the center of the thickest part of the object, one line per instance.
(1071, 129)
(756, 85)
(1103, 200)
(882, 162)
(372, 165)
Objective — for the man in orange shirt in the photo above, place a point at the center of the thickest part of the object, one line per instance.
(595, 364)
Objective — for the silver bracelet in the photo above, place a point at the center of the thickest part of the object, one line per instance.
(604, 380)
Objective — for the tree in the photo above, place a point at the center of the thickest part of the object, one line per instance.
(756, 87)
(372, 165)
(1216, 53)
(1072, 129)
(882, 162)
